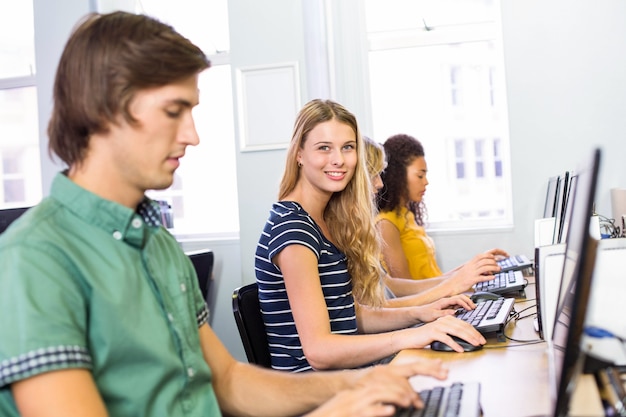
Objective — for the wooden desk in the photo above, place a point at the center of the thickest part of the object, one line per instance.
(513, 374)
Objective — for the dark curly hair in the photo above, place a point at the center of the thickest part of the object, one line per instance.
(401, 151)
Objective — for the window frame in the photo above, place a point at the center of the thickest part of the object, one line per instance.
(30, 195)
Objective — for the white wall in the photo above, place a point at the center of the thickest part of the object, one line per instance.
(566, 85)
(53, 23)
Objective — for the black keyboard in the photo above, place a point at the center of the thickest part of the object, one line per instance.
(500, 282)
(439, 401)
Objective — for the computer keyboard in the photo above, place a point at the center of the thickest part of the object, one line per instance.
(487, 309)
(489, 315)
(503, 282)
(514, 263)
(457, 400)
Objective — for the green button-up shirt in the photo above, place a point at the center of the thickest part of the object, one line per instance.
(87, 283)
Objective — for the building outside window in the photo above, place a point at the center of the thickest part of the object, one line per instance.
(203, 197)
(436, 73)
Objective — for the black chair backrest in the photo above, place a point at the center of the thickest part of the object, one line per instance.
(250, 324)
(203, 261)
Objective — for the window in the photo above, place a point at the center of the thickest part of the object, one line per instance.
(480, 164)
(459, 156)
(436, 73)
(20, 168)
(497, 158)
(203, 197)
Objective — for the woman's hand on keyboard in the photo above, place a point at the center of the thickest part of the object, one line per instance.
(446, 306)
(481, 267)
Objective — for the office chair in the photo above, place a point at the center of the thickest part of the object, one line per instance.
(250, 324)
(203, 261)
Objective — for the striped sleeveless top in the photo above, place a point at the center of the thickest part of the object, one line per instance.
(290, 224)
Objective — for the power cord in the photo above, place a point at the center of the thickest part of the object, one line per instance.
(516, 316)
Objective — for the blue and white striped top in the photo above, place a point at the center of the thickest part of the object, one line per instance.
(289, 224)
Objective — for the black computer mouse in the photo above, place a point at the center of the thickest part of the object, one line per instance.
(479, 296)
(442, 347)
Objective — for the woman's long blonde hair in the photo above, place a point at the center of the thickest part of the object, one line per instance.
(350, 213)
(375, 157)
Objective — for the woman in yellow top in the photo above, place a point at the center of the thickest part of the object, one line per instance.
(408, 251)
(402, 292)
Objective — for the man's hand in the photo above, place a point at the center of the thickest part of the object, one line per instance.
(379, 389)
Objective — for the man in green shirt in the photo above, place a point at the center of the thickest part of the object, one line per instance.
(100, 311)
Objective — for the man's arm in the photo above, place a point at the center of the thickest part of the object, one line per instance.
(244, 389)
(64, 393)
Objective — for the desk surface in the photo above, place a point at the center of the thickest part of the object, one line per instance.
(513, 374)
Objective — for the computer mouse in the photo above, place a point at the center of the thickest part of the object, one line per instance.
(479, 296)
(442, 347)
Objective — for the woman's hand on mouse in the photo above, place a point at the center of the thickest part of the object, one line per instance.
(443, 328)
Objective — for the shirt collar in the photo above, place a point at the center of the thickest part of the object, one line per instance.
(119, 221)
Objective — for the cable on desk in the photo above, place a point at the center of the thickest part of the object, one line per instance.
(515, 315)
(519, 342)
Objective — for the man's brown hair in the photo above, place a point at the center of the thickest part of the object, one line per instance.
(107, 59)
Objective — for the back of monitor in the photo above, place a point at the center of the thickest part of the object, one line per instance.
(548, 270)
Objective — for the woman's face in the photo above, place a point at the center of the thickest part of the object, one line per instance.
(329, 156)
(377, 183)
(416, 180)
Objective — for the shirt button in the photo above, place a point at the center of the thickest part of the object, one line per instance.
(183, 287)
(136, 223)
(170, 317)
(190, 372)
(117, 235)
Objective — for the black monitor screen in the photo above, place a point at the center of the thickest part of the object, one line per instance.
(580, 251)
(559, 204)
(566, 213)
(8, 216)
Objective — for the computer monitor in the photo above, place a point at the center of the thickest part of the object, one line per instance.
(548, 270)
(566, 212)
(580, 252)
(560, 203)
(8, 216)
(549, 208)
